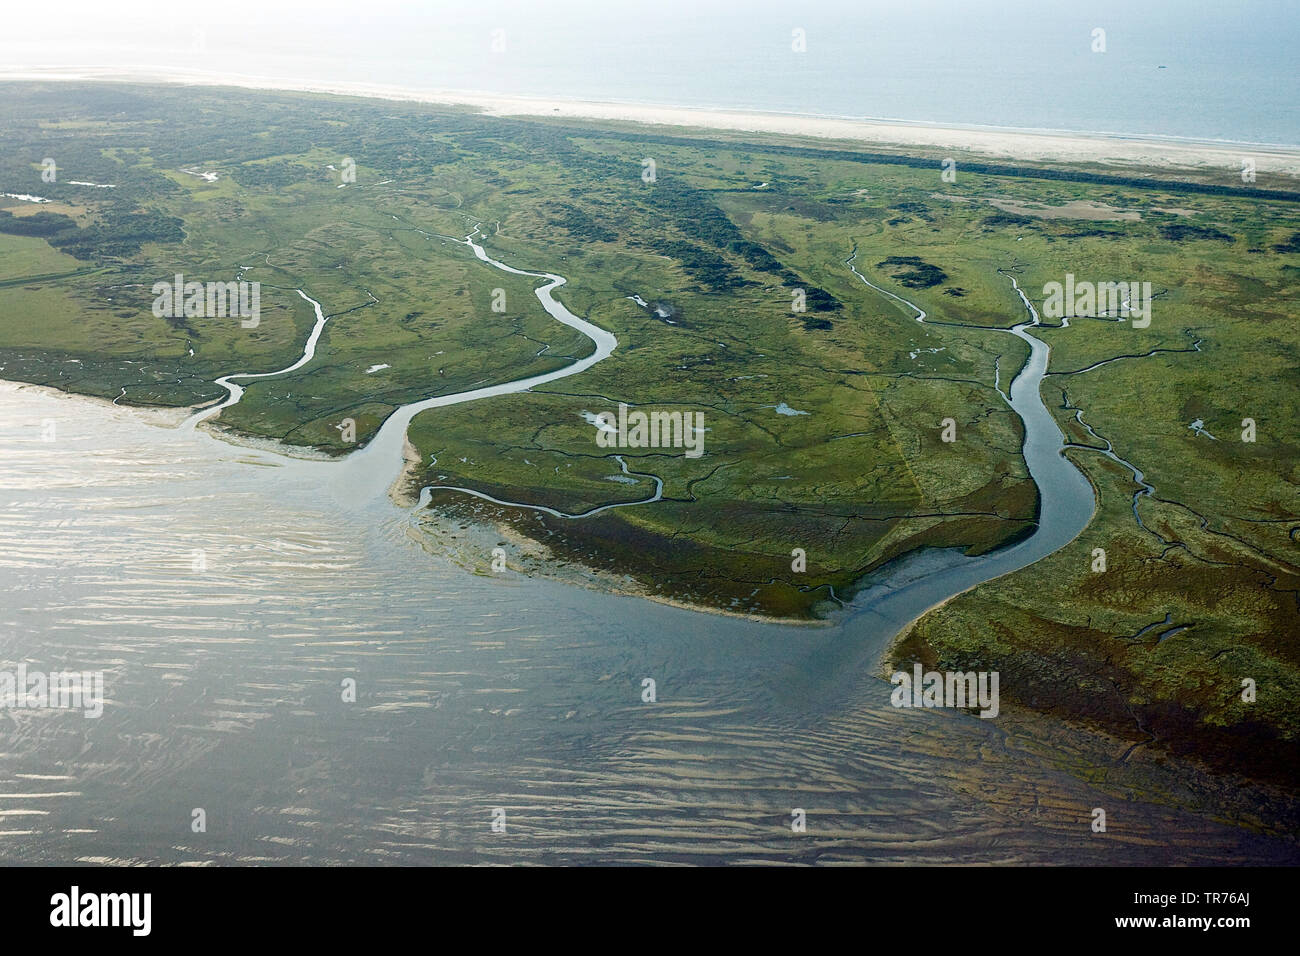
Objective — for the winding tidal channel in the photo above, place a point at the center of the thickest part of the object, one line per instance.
(230, 594)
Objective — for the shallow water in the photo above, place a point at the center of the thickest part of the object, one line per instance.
(474, 693)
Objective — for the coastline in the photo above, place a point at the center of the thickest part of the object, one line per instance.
(560, 569)
(160, 416)
(172, 417)
(1053, 146)
(546, 564)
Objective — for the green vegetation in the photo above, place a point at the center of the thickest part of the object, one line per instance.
(913, 272)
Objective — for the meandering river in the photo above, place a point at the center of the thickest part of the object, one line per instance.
(230, 595)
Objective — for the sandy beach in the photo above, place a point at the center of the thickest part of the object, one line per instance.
(1121, 151)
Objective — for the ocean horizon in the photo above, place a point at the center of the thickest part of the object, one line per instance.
(1167, 70)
